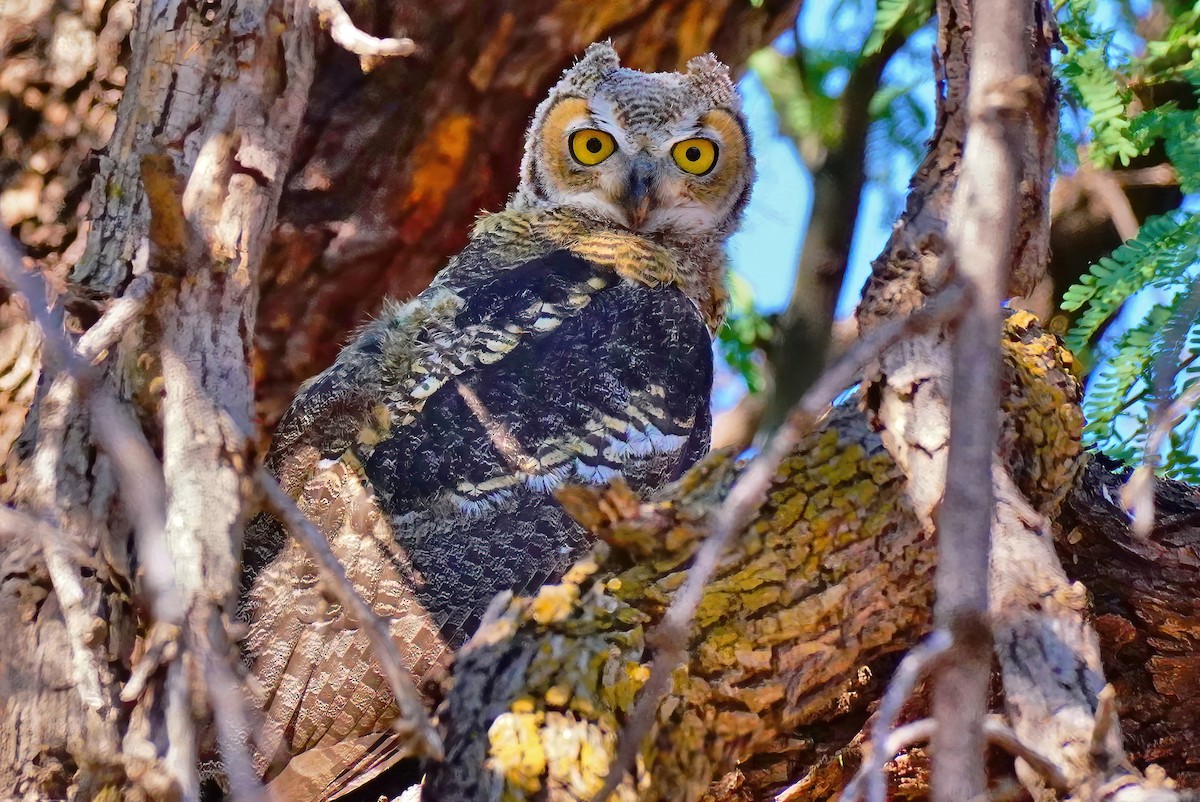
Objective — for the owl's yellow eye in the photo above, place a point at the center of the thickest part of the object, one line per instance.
(591, 146)
(695, 156)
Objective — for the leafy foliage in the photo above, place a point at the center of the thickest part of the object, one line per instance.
(893, 16)
(1158, 257)
(1120, 398)
(806, 86)
(1147, 285)
(745, 332)
(1094, 84)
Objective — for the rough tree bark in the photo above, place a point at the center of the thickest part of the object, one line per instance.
(184, 196)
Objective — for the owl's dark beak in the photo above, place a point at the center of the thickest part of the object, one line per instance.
(640, 192)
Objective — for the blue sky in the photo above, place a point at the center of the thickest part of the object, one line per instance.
(767, 247)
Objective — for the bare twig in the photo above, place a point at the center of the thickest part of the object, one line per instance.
(412, 718)
(228, 701)
(996, 732)
(160, 646)
(735, 428)
(56, 349)
(982, 235)
(1000, 734)
(508, 446)
(912, 668)
(669, 638)
(122, 441)
(343, 31)
(1105, 186)
(144, 494)
(1138, 493)
(141, 479)
(119, 316)
(17, 524)
(1160, 175)
(882, 752)
(1106, 721)
(64, 576)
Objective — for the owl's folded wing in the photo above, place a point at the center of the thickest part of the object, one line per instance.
(427, 454)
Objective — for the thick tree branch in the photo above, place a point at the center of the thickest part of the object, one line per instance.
(833, 572)
(762, 650)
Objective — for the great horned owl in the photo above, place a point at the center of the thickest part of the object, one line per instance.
(570, 341)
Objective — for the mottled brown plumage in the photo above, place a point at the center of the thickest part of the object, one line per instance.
(569, 342)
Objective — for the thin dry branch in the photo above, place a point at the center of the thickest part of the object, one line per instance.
(20, 525)
(1000, 734)
(412, 719)
(983, 227)
(143, 491)
(882, 752)
(227, 697)
(1138, 493)
(120, 315)
(64, 577)
(912, 668)
(995, 731)
(1105, 186)
(669, 638)
(140, 473)
(1106, 722)
(144, 494)
(343, 31)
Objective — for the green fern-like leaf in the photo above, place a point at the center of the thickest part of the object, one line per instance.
(1119, 399)
(891, 15)
(1111, 393)
(1095, 85)
(1181, 138)
(1164, 248)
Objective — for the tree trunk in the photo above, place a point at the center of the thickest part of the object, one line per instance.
(185, 196)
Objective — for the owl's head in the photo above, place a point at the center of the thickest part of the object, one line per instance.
(659, 153)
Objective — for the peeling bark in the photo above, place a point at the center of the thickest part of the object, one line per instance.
(203, 137)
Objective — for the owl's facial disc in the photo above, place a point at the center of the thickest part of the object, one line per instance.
(684, 175)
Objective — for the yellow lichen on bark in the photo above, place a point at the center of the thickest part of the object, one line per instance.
(1042, 426)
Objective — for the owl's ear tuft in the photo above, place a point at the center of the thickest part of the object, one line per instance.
(711, 78)
(600, 56)
(598, 62)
